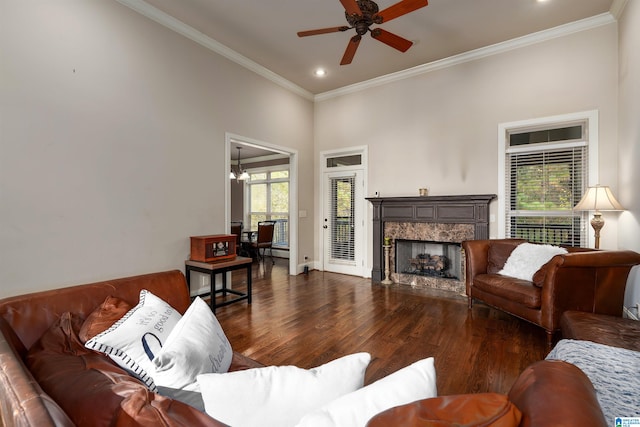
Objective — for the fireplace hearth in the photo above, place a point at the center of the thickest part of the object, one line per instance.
(433, 228)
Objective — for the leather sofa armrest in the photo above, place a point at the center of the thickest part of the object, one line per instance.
(23, 401)
(478, 409)
(600, 276)
(12, 340)
(476, 259)
(552, 391)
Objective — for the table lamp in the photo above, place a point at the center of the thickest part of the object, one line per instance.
(598, 198)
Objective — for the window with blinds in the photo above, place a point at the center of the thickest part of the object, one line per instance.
(342, 197)
(546, 175)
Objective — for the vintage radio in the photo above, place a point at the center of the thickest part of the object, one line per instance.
(212, 248)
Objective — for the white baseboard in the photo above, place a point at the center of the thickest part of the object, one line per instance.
(628, 312)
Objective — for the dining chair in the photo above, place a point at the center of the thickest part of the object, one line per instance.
(236, 228)
(264, 239)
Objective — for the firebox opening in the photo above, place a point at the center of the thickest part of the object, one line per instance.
(433, 259)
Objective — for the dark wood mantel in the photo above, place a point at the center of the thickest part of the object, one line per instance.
(463, 209)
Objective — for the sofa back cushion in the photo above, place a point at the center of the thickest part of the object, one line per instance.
(103, 317)
(92, 390)
(499, 252)
(31, 315)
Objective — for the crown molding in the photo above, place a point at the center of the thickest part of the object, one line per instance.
(180, 27)
(483, 52)
(617, 7)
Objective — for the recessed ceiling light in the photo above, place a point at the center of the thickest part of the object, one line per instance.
(320, 72)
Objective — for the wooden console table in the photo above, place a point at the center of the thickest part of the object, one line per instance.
(221, 267)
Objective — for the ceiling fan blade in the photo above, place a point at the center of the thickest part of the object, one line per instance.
(401, 8)
(351, 7)
(322, 31)
(391, 39)
(351, 50)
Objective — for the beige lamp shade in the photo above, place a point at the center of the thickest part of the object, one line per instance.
(598, 198)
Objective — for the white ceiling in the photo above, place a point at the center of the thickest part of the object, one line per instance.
(265, 32)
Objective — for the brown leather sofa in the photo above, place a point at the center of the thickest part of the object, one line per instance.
(75, 386)
(582, 280)
(72, 385)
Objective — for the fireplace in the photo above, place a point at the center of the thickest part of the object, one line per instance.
(433, 226)
(431, 259)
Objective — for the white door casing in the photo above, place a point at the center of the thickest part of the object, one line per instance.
(342, 216)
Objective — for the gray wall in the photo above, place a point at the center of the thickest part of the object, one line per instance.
(629, 127)
(439, 129)
(112, 142)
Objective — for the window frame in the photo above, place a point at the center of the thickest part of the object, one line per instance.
(268, 181)
(591, 130)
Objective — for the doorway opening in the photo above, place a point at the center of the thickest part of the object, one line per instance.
(270, 193)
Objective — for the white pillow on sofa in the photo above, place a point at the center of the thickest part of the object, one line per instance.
(414, 382)
(196, 345)
(279, 395)
(527, 258)
(134, 340)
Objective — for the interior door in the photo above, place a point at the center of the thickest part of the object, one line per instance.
(342, 223)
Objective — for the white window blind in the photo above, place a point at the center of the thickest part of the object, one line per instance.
(342, 197)
(544, 182)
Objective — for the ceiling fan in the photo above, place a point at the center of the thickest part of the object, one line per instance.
(361, 14)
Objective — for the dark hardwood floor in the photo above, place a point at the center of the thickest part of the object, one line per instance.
(308, 320)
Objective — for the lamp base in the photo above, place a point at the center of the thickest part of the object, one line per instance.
(597, 222)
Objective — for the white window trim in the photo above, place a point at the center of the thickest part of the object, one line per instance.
(247, 193)
(591, 117)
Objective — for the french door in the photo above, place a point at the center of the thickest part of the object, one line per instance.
(342, 222)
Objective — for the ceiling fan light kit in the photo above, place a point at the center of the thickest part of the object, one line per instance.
(360, 15)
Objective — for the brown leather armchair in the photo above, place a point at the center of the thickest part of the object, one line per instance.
(582, 280)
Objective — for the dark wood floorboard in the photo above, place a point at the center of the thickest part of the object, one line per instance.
(308, 320)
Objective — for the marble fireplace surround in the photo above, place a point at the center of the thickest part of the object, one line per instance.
(440, 219)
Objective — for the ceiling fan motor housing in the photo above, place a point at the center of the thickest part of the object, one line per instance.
(362, 22)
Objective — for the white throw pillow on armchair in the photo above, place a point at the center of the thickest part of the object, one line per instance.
(527, 258)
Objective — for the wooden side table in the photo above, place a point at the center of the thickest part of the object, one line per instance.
(221, 267)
